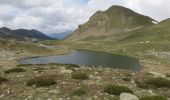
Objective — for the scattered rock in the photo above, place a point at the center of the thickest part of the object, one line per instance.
(151, 92)
(19, 76)
(54, 91)
(49, 99)
(158, 74)
(128, 96)
(95, 97)
(29, 97)
(1, 96)
(65, 71)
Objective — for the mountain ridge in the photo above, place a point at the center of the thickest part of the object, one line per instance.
(61, 35)
(23, 34)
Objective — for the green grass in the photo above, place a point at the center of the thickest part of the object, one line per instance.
(126, 79)
(33, 48)
(79, 75)
(159, 82)
(24, 46)
(153, 82)
(68, 65)
(154, 98)
(42, 81)
(14, 70)
(78, 92)
(49, 42)
(116, 90)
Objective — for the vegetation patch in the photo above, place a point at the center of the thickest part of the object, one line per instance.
(14, 70)
(73, 66)
(116, 90)
(168, 74)
(143, 84)
(42, 81)
(28, 65)
(23, 65)
(79, 75)
(69, 65)
(154, 98)
(141, 80)
(2, 80)
(153, 83)
(79, 92)
(126, 79)
(159, 82)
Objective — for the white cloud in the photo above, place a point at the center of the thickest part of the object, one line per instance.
(52, 16)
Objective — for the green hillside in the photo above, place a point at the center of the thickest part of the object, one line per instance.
(159, 32)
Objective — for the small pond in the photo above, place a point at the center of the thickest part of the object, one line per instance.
(86, 57)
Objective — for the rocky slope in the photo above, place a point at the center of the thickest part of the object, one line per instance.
(113, 21)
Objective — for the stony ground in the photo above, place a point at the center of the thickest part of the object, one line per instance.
(16, 89)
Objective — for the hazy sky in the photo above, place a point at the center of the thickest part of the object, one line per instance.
(53, 16)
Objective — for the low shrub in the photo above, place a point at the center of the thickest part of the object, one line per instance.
(79, 75)
(140, 80)
(3, 80)
(54, 64)
(69, 65)
(168, 74)
(73, 66)
(116, 90)
(14, 70)
(154, 98)
(126, 79)
(23, 65)
(79, 92)
(143, 84)
(41, 81)
(159, 82)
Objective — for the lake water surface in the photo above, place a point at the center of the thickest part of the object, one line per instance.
(86, 57)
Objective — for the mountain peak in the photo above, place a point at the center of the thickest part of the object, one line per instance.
(34, 30)
(117, 7)
(115, 20)
(5, 28)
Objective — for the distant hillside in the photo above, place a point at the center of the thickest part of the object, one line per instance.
(61, 35)
(159, 32)
(22, 34)
(113, 21)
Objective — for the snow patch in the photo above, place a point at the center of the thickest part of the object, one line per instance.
(155, 22)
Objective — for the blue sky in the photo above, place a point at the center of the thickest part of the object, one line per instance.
(54, 16)
(83, 1)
